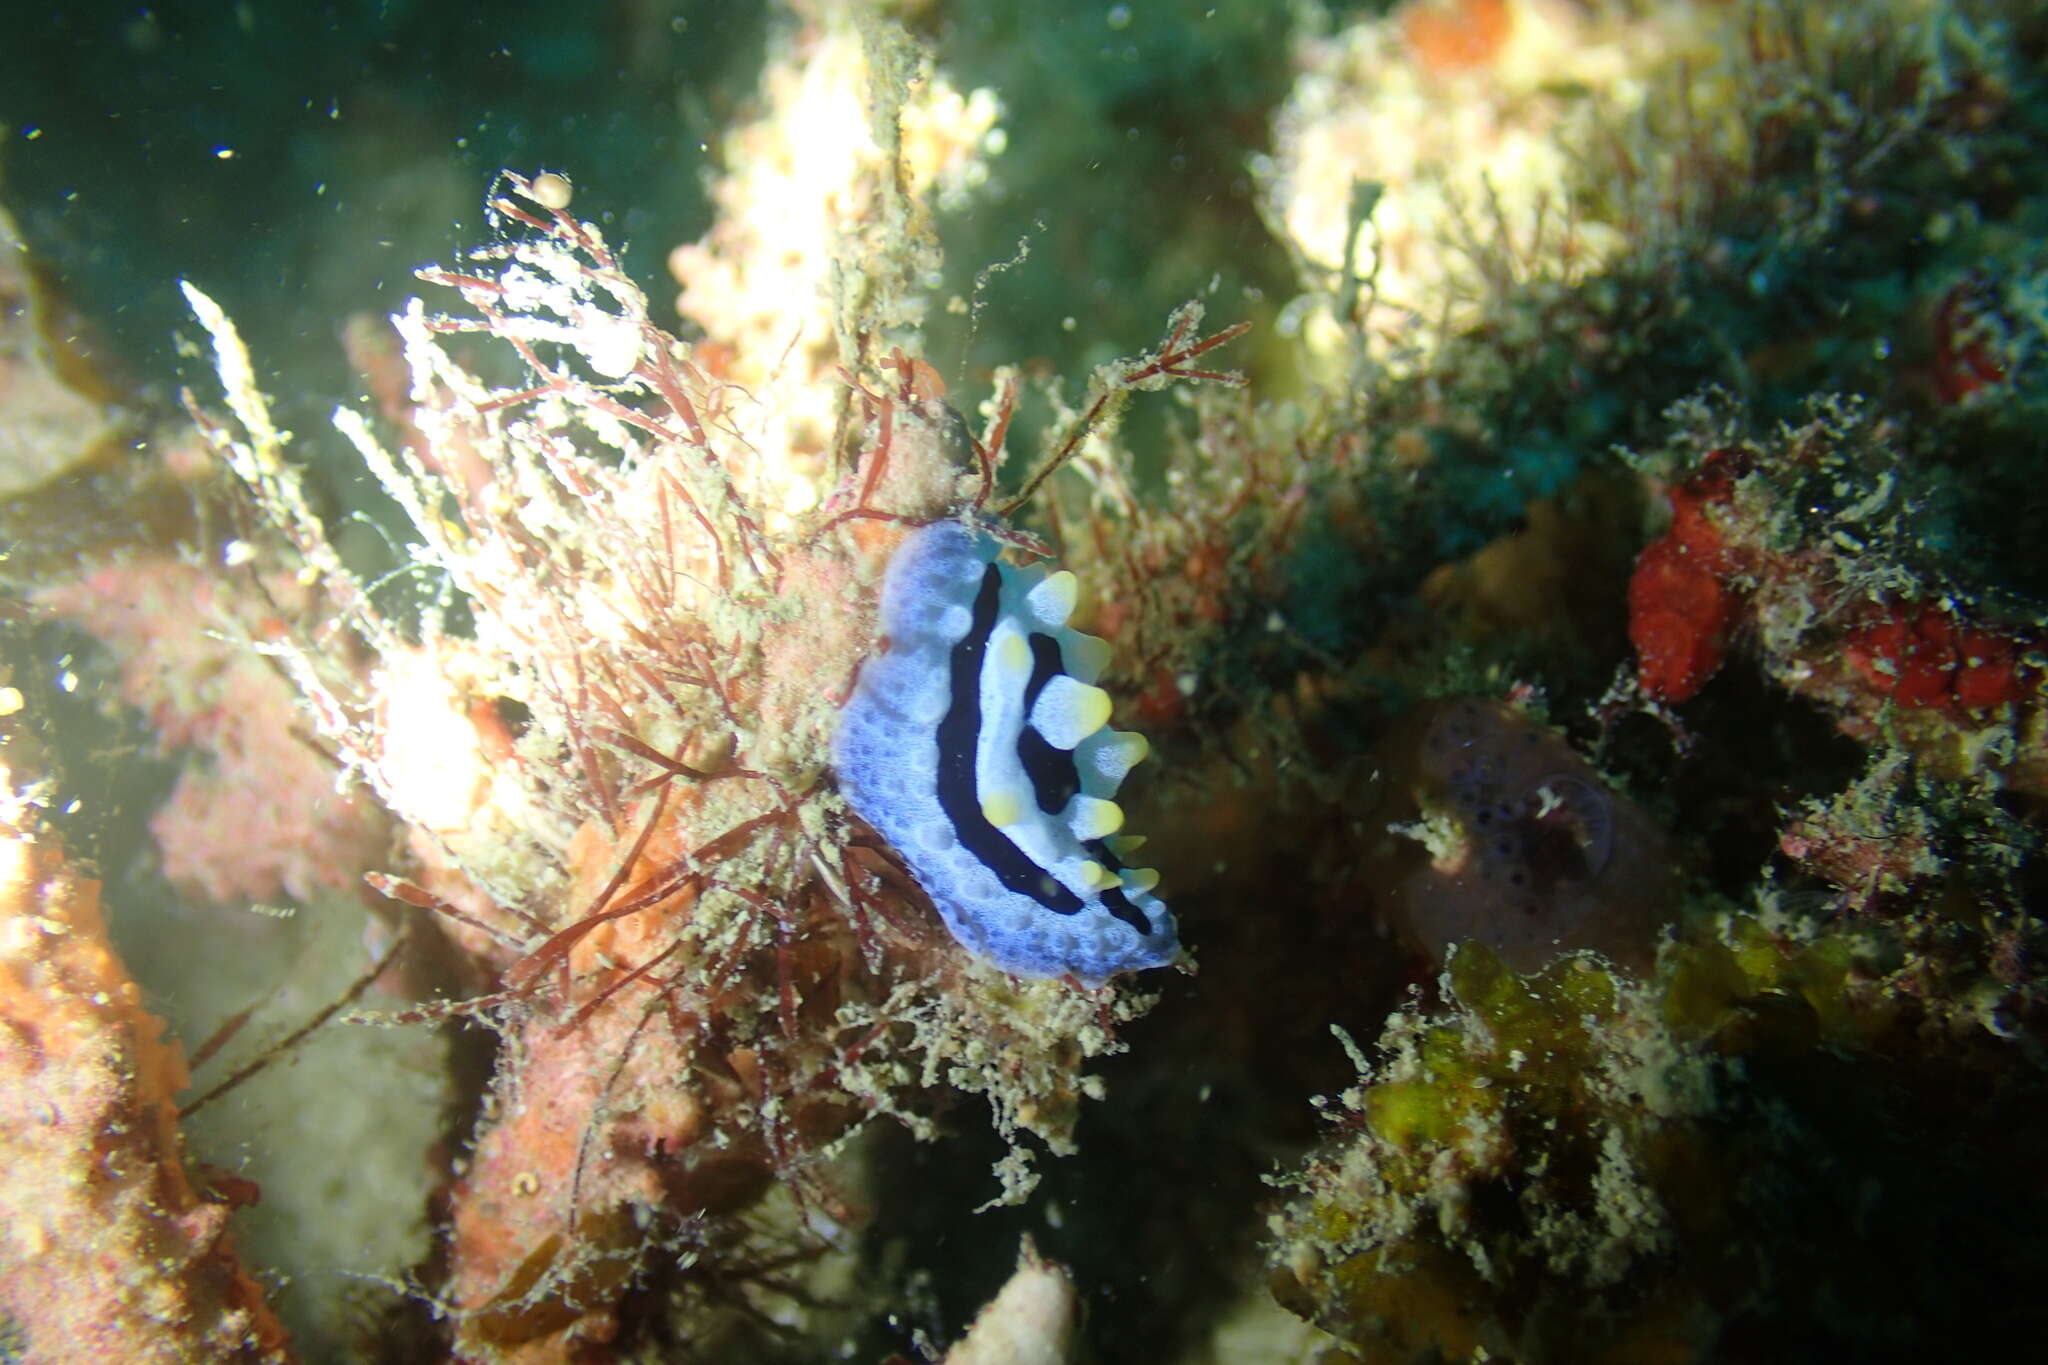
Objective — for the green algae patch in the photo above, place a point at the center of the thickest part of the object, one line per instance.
(1703, 989)
(1540, 1016)
(1411, 1114)
(1570, 1164)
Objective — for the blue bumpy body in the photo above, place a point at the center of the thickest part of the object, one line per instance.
(977, 745)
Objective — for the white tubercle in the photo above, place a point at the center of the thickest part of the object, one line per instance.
(1068, 711)
(1052, 601)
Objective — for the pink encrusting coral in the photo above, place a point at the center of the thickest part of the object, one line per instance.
(256, 813)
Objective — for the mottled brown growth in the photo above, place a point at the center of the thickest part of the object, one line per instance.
(1497, 832)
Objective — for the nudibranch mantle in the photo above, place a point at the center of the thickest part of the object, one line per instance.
(976, 744)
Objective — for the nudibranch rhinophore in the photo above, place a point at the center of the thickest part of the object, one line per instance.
(976, 744)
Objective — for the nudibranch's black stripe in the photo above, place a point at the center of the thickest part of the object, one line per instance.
(958, 795)
(1119, 906)
(1045, 666)
(1054, 778)
(1114, 900)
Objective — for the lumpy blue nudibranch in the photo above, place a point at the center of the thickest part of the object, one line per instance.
(977, 744)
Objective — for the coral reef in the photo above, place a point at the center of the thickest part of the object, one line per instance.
(825, 216)
(1596, 657)
(1597, 1157)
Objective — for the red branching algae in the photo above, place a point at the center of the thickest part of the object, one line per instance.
(704, 973)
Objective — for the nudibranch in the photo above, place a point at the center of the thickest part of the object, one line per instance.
(976, 743)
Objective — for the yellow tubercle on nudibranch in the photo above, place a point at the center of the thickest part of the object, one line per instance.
(1091, 817)
(1002, 809)
(979, 746)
